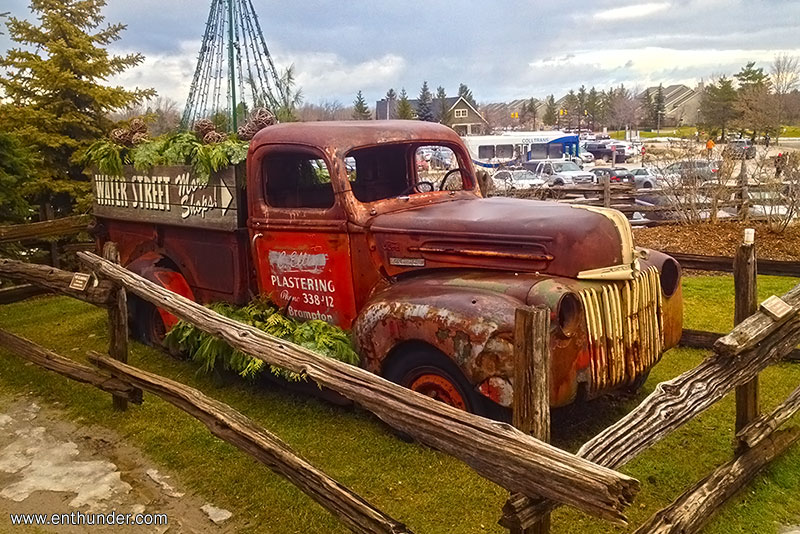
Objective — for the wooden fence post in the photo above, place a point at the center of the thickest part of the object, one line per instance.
(46, 213)
(117, 322)
(606, 191)
(745, 284)
(532, 384)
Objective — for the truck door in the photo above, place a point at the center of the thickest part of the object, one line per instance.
(299, 237)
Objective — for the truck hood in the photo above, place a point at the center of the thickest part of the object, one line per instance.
(506, 234)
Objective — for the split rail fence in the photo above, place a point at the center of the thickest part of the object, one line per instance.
(538, 476)
(662, 205)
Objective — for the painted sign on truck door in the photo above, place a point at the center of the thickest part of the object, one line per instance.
(301, 244)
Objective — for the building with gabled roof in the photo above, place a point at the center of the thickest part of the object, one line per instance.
(462, 116)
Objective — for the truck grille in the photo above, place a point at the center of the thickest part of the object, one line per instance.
(625, 324)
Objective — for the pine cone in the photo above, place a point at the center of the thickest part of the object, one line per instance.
(248, 130)
(138, 126)
(244, 132)
(262, 117)
(214, 137)
(139, 138)
(203, 127)
(121, 136)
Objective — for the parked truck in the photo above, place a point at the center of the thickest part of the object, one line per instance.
(337, 221)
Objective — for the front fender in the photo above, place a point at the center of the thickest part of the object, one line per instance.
(471, 326)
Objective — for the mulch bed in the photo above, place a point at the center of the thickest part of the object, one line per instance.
(720, 239)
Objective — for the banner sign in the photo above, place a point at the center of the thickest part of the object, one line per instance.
(168, 195)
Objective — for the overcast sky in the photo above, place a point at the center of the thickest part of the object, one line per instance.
(503, 50)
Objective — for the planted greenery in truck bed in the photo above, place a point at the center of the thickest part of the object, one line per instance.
(212, 352)
(205, 149)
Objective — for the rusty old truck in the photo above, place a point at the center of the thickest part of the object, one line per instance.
(379, 227)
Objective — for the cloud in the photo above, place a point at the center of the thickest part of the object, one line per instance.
(328, 76)
(632, 12)
(321, 76)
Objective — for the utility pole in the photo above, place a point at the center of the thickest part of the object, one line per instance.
(231, 68)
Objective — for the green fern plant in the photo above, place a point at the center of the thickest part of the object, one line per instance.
(181, 148)
(213, 353)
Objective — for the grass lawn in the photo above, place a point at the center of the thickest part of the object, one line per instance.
(429, 491)
(683, 132)
(790, 131)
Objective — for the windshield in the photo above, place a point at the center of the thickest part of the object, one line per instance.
(405, 169)
(566, 166)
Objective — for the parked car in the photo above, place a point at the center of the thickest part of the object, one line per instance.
(615, 174)
(627, 148)
(741, 148)
(603, 151)
(558, 172)
(507, 180)
(586, 156)
(647, 178)
(692, 169)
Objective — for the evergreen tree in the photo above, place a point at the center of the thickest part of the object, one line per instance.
(717, 104)
(750, 77)
(466, 93)
(593, 106)
(56, 96)
(360, 109)
(659, 105)
(649, 109)
(550, 111)
(571, 106)
(754, 102)
(442, 112)
(582, 111)
(391, 99)
(527, 116)
(404, 109)
(425, 103)
(16, 163)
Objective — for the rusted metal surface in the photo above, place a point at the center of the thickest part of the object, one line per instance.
(626, 328)
(447, 268)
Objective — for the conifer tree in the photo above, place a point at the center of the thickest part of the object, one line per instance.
(57, 99)
(425, 103)
(360, 109)
(404, 109)
(391, 102)
(550, 111)
(466, 93)
(442, 112)
(15, 169)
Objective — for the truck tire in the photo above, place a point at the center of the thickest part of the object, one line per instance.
(148, 327)
(426, 370)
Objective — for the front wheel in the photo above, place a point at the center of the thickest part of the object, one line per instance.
(428, 371)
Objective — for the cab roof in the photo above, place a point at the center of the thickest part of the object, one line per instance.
(346, 135)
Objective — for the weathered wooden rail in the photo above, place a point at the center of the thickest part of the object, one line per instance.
(233, 427)
(44, 229)
(497, 451)
(66, 367)
(57, 281)
(758, 341)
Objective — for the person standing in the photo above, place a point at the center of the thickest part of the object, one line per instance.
(710, 144)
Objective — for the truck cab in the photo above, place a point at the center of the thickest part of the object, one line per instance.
(346, 224)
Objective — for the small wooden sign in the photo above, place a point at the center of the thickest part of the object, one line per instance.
(776, 308)
(79, 281)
